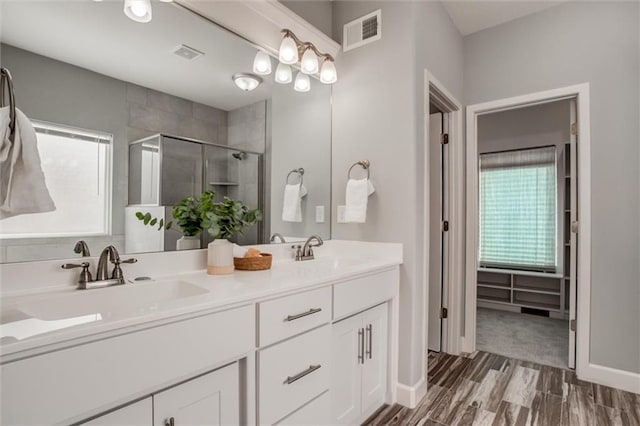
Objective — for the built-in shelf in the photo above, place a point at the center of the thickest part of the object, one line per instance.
(495, 285)
(223, 183)
(494, 299)
(537, 290)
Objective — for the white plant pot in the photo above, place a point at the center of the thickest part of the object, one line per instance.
(220, 257)
(188, 242)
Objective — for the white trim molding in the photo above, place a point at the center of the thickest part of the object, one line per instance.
(585, 370)
(410, 396)
(260, 21)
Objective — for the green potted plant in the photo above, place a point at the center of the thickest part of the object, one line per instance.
(193, 215)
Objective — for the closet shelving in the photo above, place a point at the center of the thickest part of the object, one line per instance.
(513, 290)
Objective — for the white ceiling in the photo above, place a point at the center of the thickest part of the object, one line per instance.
(475, 15)
(99, 37)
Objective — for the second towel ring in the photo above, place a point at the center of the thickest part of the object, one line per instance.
(364, 164)
(5, 76)
(300, 173)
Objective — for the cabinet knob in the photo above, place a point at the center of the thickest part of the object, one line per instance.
(169, 422)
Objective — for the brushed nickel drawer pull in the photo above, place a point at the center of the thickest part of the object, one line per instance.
(369, 339)
(303, 314)
(360, 346)
(300, 375)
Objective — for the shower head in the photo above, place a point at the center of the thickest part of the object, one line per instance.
(239, 155)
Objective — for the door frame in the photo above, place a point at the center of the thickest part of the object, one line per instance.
(436, 93)
(580, 93)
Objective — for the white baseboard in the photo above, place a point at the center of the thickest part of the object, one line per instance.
(410, 396)
(612, 377)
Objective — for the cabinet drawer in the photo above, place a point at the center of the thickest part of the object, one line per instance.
(356, 295)
(292, 373)
(313, 414)
(295, 314)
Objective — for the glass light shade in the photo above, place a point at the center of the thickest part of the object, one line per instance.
(288, 53)
(283, 74)
(309, 62)
(303, 83)
(138, 10)
(246, 82)
(166, 1)
(262, 63)
(328, 73)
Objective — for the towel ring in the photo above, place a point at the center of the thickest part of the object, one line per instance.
(5, 76)
(364, 164)
(300, 173)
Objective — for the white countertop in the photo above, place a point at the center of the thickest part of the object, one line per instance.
(23, 334)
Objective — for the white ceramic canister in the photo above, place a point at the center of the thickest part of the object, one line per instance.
(220, 257)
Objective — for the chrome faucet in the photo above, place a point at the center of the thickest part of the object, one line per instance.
(110, 253)
(307, 249)
(277, 235)
(81, 247)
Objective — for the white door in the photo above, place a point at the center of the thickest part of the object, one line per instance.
(212, 399)
(573, 242)
(347, 357)
(374, 369)
(137, 414)
(435, 231)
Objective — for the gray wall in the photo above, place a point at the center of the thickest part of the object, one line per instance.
(377, 116)
(598, 43)
(57, 92)
(301, 137)
(317, 12)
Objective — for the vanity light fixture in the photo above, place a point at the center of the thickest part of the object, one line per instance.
(302, 83)
(309, 62)
(138, 10)
(328, 73)
(262, 63)
(283, 74)
(289, 53)
(246, 82)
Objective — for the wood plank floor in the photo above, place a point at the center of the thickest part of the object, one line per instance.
(489, 389)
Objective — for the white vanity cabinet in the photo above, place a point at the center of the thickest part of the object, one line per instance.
(359, 365)
(211, 399)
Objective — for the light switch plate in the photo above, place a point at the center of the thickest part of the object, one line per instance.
(341, 210)
(319, 214)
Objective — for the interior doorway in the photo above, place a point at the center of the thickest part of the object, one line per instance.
(554, 279)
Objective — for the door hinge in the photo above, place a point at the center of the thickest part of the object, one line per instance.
(574, 128)
(444, 313)
(445, 226)
(572, 325)
(574, 227)
(444, 140)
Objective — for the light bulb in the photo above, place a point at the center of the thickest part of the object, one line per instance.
(246, 82)
(288, 53)
(138, 10)
(303, 83)
(262, 63)
(328, 73)
(283, 74)
(309, 63)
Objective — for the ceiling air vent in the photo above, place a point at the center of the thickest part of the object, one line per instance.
(187, 52)
(362, 31)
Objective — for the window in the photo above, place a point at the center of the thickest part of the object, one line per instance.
(518, 213)
(77, 169)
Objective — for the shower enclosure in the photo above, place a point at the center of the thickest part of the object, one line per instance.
(164, 169)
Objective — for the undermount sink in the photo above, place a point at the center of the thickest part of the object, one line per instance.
(111, 301)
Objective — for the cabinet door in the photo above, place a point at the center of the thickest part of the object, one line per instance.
(136, 414)
(346, 372)
(212, 399)
(374, 369)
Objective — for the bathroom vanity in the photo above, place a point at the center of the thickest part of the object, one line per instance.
(311, 342)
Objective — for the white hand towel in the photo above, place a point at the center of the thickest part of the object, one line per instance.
(22, 184)
(358, 191)
(292, 203)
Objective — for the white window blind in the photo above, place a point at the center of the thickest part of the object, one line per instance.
(518, 209)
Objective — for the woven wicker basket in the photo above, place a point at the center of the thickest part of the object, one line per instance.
(253, 263)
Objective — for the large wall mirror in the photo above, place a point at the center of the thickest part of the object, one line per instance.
(133, 117)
